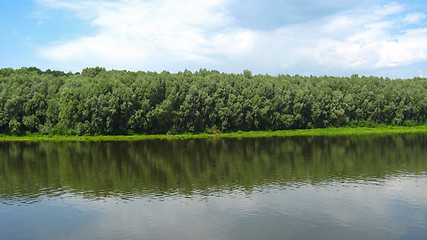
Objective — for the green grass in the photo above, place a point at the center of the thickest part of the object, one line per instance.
(239, 134)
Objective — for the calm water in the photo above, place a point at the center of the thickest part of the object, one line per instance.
(359, 187)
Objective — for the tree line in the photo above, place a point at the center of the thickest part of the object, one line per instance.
(97, 101)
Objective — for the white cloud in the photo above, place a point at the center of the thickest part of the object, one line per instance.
(356, 40)
(414, 18)
(389, 9)
(148, 33)
(376, 41)
(178, 34)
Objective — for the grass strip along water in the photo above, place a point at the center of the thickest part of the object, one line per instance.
(239, 134)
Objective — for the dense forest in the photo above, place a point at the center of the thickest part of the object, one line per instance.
(97, 101)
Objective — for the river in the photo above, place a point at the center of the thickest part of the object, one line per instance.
(310, 187)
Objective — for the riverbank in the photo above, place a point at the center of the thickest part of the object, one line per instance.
(239, 134)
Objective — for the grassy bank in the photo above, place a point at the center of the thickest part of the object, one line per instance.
(284, 133)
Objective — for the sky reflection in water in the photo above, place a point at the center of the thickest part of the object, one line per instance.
(275, 188)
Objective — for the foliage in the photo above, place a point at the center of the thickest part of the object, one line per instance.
(100, 102)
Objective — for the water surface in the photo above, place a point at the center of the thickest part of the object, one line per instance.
(356, 187)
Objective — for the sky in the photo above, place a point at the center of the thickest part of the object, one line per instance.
(305, 37)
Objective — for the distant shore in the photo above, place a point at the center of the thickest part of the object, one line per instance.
(240, 134)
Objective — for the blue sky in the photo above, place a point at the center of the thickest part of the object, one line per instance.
(306, 37)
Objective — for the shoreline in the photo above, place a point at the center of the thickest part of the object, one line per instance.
(342, 131)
